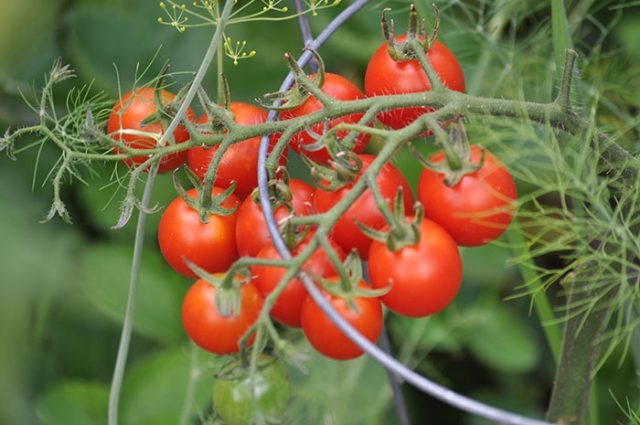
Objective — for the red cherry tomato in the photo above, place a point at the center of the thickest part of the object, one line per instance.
(240, 162)
(128, 114)
(328, 339)
(385, 76)
(289, 303)
(208, 328)
(476, 210)
(424, 277)
(345, 232)
(251, 230)
(210, 245)
(338, 88)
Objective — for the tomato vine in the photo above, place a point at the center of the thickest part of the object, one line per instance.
(80, 141)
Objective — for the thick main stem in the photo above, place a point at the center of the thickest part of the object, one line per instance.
(580, 349)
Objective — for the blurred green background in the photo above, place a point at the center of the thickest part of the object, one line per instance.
(63, 287)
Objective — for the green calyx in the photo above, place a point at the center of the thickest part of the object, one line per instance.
(402, 231)
(457, 151)
(349, 287)
(341, 171)
(401, 51)
(216, 201)
(305, 86)
(218, 117)
(280, 196)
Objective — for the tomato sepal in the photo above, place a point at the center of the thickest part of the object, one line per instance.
(349, 287)
(305, 86)
(227, 296)
(458, 162)
(401, 51)
(340, 171)
(215, 201)
(401, 230)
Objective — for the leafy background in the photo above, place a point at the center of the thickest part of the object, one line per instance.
(63, 288)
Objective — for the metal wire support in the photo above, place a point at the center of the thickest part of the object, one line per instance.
(305, 30)
(391, 364)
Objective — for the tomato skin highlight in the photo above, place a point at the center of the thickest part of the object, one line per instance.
(338, 88)
(479, 208)
(385, 76)
(128, 114)
(424, 278)
(211, 330)
(345, 232)
(327, 338)
(240, 162)
(209, 245)
(288, 306)
(251, 232)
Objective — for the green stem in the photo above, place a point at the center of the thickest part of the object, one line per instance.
(580, 349)
(194, 375)
(220, 70)
(127, 326)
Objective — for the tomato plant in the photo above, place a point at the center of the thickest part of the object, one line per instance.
(234, 391)
(581, 206)
(289, 304)
(364, 210)
(387, 76)
(338, 88)
(327, 338)
(424, 277)
(476, 210)
(208, 327)
(251, 230)
(182, 236)
(129, 113)
(239, 163)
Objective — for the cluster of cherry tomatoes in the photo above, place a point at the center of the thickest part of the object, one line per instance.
(422, 278)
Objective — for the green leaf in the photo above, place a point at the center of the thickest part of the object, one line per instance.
(487, 267)
(419, 336)
(355, 392)
(75, 403)
(160, 290)
(155, 388)
(501, 339)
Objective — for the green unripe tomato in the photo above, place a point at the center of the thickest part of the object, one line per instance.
(232, 398)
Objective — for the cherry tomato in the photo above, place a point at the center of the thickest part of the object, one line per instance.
(385, 76)
(208, 328)
(128, 114)
(240, 162)
(289, 304)
(338, 88)
(233, 398)
(210, 245)
(251, 230)
(424, 277)
(476, 210)
(327, 338)
(345, 232)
